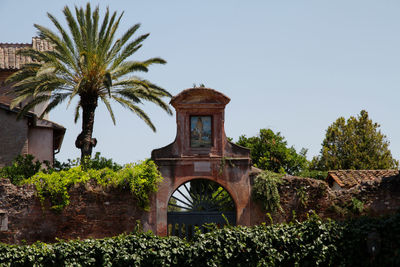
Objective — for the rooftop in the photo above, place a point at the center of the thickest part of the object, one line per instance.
(350, 178)
(10, 60)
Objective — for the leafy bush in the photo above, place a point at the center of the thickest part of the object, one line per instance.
(320, 175)
(22, 167)
(97, 163)
(25, 166)
(265, 190)
(357, 206)
(141, 178)
(270, 151)
(311, 243)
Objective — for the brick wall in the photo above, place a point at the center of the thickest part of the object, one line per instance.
(92, 213)
(378, 197)
(96, 213)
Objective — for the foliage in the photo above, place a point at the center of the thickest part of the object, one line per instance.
(269, 151)
(224, 200)
(172, 207)
(265, 190)
(87, 61)
(25, 166)
(354, 144)
(141, 178)
(302, 196)
(22, 167)
(316, 174)
(97, 162)
(357, 206)
(311, 243)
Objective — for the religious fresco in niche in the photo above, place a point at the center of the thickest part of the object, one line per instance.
(200, 131)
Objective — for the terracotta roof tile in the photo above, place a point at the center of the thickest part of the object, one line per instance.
(350, 178)
(9, 60)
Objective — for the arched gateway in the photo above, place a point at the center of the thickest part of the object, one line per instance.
(198, 202)
(205, 175)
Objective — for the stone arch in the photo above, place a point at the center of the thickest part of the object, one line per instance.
(197, 201)
(188, 157)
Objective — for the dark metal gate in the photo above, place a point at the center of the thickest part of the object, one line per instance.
(199, 204)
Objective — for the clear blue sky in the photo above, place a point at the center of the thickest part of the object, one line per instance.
(292, 66)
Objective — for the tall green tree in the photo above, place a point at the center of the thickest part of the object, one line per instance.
(269, 151)
(354, 144)
(89, 63)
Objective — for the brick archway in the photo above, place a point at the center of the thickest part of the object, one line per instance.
(201, 150)
(196, 202)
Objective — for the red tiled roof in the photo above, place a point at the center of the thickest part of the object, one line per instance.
(9, 60)
(350, 178)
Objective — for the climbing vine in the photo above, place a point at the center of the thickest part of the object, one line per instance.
(265, 190)
(140, 178)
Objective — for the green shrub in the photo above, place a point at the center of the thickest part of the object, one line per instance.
(22, 167)
(97, 162)
(141, 178)
(356, 206)
(320, 175)
(25, 166)
(265, 190)
(311, 243)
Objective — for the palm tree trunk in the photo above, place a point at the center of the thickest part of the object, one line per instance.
(84, 141)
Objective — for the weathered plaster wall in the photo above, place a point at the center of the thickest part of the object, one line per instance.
(92, 213)
(13, 137)
(41, 143)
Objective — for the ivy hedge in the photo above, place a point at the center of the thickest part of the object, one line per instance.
(357, 242)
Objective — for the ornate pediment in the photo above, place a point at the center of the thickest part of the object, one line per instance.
(199, 96)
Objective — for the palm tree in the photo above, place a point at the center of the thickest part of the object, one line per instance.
(87, 62)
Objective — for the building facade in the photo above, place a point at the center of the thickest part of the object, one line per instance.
(29, 135)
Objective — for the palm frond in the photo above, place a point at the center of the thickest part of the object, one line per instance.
(76, 116)
(31, 104)
(55, 100)
(107, 104)
(67, 40)
(155, 60)
(135, 109)
(73, 27)
(128, 67)
(131, 48)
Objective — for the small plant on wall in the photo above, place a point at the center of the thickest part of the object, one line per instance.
(302, 196)
(265, 190)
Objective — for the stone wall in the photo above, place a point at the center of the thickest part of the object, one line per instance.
(92, 213)
(302, 196)
(96, 213)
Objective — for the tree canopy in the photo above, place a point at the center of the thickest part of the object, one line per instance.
(90, 63)
(354, 144)
(269, 151)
